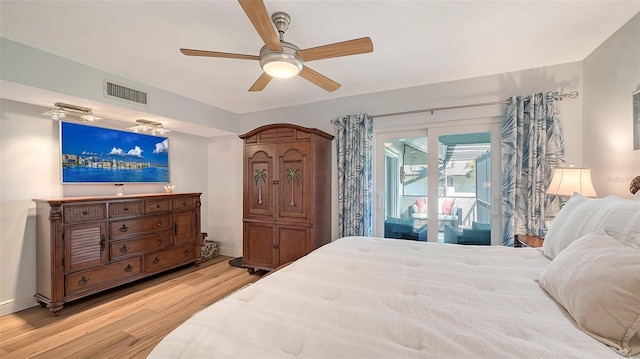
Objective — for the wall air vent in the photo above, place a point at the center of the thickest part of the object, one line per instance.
(124, 93)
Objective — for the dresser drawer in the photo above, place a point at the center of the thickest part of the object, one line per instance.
(93, 277)
(140, 245)
(186, 203)
(125, 209)
(83, 212)
(140, 225)
(157, 206)
(168, 258)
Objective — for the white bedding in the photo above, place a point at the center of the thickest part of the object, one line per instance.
(377, 298)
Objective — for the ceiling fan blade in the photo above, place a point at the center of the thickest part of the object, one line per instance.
(261, 83)
(345, 48)
(191, 52)
(318, 79)
(257, 13)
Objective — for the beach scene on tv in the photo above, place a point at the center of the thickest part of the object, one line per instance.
(95, 154)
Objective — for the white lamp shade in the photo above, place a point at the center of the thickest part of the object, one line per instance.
(567, 180)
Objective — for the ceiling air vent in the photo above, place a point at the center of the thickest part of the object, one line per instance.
(125, 93)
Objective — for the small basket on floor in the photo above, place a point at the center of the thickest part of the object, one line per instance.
(210, 248)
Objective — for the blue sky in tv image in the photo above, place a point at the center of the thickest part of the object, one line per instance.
(97, 154)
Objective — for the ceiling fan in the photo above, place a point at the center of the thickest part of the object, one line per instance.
(282, 59)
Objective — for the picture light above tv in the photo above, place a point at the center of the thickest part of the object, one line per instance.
(91, 154)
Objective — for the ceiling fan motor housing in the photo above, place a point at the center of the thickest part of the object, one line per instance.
(288, 56)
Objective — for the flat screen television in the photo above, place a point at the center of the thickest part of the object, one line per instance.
(91, 154)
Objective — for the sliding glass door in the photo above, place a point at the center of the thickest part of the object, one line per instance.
(436, 184)
(404, 178)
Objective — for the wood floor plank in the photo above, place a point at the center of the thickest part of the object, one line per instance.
(125, 322)
(192, 294)
(196, 302)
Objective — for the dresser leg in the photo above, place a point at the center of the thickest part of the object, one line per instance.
(56, 308)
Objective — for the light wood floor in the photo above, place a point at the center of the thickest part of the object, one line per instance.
(125, 322)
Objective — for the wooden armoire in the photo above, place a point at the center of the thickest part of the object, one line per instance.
(287, 194)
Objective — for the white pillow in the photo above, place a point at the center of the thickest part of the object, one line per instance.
(619, 217)
(597, 280)
(637, 196)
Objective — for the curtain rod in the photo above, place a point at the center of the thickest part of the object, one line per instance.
(572, 94)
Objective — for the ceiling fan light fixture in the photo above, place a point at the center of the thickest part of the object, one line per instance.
(281, 69)
(283, 64)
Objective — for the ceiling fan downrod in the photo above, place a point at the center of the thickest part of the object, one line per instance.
(282, 21)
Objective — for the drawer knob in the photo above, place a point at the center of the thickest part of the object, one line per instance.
(184, 204)
(186, 252)
(160, 223)
(160, 241)
(128, 268)
(83, 281)
(156, 260)
(124, 249)
(86, 213)
(124, 228)
(125, 209)
(158, 205)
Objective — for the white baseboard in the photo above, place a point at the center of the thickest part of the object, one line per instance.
(16, 305)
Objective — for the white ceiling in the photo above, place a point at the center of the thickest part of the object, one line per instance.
(415, 42)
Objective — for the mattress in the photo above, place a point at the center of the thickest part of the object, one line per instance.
(361, 297)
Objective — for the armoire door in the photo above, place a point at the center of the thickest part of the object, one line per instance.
(295, 182)
(259, 247)
(293, 243)
(260, 182)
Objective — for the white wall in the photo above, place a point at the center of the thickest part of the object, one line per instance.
(35, 68)
(225, 193)
(611, 75)
(27, 147)
(30, 168)
(563, 78)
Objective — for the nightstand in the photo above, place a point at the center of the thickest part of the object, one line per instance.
(522, 240)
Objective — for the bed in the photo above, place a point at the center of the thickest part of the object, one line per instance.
(364, 297)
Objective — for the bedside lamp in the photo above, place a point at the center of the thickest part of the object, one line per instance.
(567, 180)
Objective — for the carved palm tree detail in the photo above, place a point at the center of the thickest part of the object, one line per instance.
(292, 176)
(260, 176)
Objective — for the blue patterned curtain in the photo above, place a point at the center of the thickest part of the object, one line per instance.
(354, 136)
(532, 145)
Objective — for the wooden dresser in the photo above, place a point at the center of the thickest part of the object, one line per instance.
(287, 194)
(88, 244)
